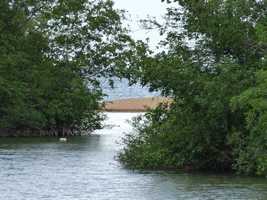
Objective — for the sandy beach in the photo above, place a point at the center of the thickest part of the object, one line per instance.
(134, 104)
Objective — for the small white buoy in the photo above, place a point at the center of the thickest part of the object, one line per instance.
(62, 139)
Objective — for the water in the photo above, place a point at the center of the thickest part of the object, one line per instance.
(122, 90)
(85, 168)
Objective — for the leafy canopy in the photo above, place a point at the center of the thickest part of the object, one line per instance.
(52, 54)
(213, 51)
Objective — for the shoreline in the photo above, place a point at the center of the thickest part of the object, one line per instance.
(135, 104)
(130, 105)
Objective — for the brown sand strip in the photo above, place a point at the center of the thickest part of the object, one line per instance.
(135, 105)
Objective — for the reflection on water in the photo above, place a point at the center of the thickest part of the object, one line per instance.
(84, 168)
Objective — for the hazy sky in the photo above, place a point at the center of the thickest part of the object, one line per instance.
(140, 9)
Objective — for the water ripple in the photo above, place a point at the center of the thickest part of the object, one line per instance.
(84, 168)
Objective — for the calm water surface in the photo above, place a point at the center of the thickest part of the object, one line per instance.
(84, 168)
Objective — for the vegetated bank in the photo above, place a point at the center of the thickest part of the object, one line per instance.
(52, 54)
(218, 81)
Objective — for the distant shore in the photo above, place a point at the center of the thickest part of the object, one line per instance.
(134, 104)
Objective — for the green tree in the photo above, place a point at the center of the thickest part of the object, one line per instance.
(212, 51)
(52, 54)
(250, 148)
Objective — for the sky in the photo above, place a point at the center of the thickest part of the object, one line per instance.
(137, 10)
(141, 9)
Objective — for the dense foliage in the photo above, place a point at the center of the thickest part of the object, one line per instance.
(52, 54)
(214, 67)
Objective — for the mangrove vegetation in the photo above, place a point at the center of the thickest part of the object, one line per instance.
(214, 66)
(212, 63)
(52, 56)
